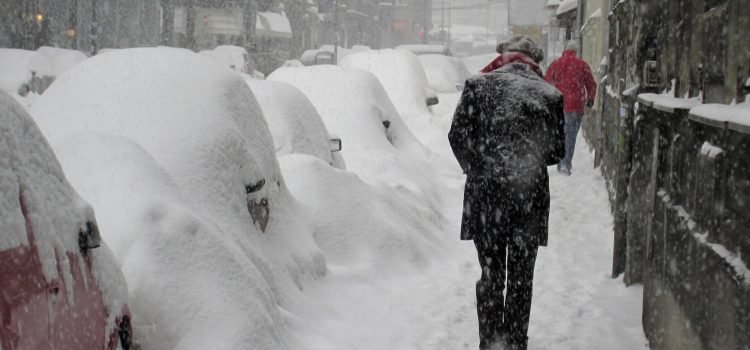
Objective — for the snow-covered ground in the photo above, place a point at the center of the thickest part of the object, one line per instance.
(576, 304)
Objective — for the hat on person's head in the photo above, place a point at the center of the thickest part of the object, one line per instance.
(522, 44)
(572, 45)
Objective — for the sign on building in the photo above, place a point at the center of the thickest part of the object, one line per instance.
(326, 6)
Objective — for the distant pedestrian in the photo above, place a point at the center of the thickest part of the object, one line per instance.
(508, 127)
(572, 76)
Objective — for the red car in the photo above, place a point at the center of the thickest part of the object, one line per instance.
(59, 287)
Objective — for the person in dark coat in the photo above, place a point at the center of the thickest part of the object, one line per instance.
(572, 76)
(508, 127)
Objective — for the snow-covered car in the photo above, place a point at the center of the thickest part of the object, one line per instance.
(426, 49)
(353, 105)
(324, 55)
(181, 168)
(234, 57)
(444, 74)
(381, 211)
(61, 287)
(294, 123)
(24, 71)
(403, 77)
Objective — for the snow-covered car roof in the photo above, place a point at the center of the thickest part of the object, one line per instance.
(400, 73)
(57, 215)
(426, 49)
(294, 122)
(443, 72)
(190, 133)
(353, 105)
(234, 57)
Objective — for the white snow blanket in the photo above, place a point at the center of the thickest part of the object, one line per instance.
(164, 142)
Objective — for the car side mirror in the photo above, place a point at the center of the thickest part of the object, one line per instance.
(459, 87)
(433, 100)
(334, 145)
(89, 237)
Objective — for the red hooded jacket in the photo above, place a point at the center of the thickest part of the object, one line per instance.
(572, 76)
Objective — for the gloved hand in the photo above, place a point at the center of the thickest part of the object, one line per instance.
(590, 103)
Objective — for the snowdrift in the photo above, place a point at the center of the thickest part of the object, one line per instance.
(171, 149)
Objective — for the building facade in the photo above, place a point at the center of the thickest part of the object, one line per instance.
(672, 134)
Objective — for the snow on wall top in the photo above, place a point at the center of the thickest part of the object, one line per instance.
(273, 24)
(667, 102)
(294, 123)
(736, 116)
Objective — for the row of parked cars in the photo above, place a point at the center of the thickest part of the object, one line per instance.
(175, 153)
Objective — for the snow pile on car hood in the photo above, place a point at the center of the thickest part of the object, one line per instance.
(29, 169)
(295, 125)
(444, 72)
(171, 141)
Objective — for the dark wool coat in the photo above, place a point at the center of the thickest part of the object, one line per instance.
(508, 127)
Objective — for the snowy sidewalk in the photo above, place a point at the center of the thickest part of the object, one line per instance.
(576, 304)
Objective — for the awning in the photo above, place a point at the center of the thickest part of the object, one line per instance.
(567, 6)
(273, 25)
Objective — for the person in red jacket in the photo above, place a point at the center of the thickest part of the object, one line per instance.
(572, 76)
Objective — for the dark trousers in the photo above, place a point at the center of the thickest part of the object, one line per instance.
(505, 320)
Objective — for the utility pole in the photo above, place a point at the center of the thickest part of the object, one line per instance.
(442, 21)
(509, 27)
(450, 11)
(94, 29)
